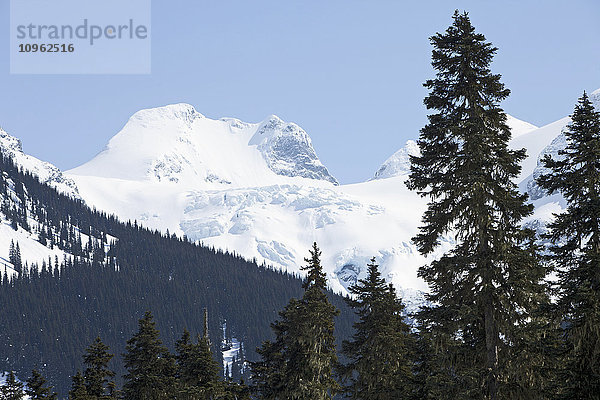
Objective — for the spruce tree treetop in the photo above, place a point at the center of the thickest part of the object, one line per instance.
(197, 369)
(37, 388)
(575, 249)
(315, 276)
(484, 290)
(299, 363)
(78, 390)
(150, 366)
(380, 365)
(97, 374)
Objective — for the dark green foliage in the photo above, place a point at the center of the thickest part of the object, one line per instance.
(51, 313)
(14, 256)
(575, 251)
(150, 366)
(488, 287)
(432, 381)
(299, 363)
(197, 370)
(78, 390)
(12, 389)
(38, 389)
(97, 375)
(380, 353)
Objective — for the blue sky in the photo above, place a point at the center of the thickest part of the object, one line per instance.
(349, 72)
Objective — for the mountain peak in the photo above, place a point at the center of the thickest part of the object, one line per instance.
(399, 162)
(182, 111)
(47, 173)
(288, 150)
(274, 119)
(8, 142)
(176, 143)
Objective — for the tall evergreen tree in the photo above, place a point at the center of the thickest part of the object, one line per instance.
(483, 291)
(380, 366)
(150, 366)
(12, 388)
(575, 249)
(299, 364)
(37, 388)
(97, 375)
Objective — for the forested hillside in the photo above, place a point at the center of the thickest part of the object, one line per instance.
(53, 310)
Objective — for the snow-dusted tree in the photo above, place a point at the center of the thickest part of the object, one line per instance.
(12, 388)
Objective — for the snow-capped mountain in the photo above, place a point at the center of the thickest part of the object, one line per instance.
(46, 172)
(399, 163)
(177, 144)
(257, 189)
(260, 190)
(31, 250)
(553, 140)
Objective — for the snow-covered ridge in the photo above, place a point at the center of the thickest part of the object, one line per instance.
(399, 163)
(259, 189)
(519, 127)
(46, 172)
(552, 149)
(177, 144)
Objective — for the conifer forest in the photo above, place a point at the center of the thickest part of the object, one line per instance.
(511, 312)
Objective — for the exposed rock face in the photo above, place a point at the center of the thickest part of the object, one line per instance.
(288, 150)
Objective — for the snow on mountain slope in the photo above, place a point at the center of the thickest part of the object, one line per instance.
(519, 127)
(32, 251)
(256, 189)
(46, 172)
(535, 141)
(546, 205)
(277, 224)
(20, 222)
(399, 162)
(177, 144)
(595, 97)
(260, 190)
